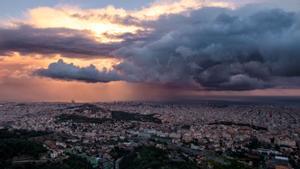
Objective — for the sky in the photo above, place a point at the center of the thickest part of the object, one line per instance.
(16, 8)
(89, 51)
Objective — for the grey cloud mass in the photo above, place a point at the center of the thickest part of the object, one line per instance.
(65, 71)
(219, 49)
(212, 48)
(71, 43)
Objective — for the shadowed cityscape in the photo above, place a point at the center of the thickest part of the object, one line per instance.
(150, 84)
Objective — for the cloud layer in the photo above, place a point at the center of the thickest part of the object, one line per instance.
(217, 48)
(73, 43)
(90, 74)
(211, 48)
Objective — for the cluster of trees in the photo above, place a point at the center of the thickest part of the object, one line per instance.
(81, 119)
(73, 162)
(125, 116)
(20, 134)
(17, 143)
(153, 158)
(231, 164)
(10, 148)
(116, 116)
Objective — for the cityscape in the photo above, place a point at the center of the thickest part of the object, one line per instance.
(150, 84)
(207, 134)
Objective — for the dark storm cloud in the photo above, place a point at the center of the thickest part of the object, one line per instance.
(26, 39)
(219, 49)
(214, 48)
(64, 71)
